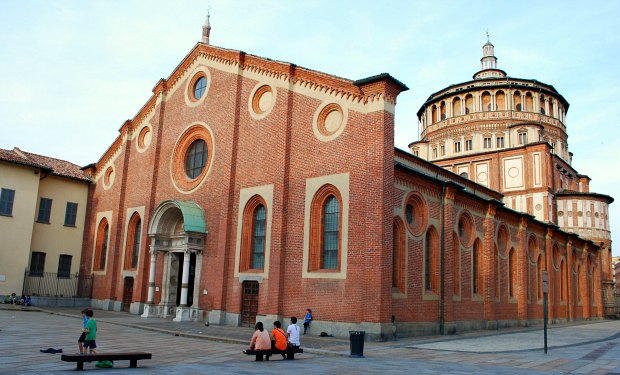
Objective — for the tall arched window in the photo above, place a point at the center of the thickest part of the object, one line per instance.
(258, 237)
(476, 256)
(253, 235)
(486, 101)
(431, 250)
(563, 281)
(578, 288)
(529, 102)
(101, 246)
(516, 98)
(469, 104)
(398, 257)
(331, 231)
(539, 271)
(512, 272)
(325, 231)
(500, 101)
(456, 264)
(456, 106)
(132, 246)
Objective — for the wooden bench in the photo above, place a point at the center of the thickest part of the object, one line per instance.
(81, 358)
(289, 353)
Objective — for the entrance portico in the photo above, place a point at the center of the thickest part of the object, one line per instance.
(177, 232)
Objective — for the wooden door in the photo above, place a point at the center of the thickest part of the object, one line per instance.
(249, 303)
(127, 293)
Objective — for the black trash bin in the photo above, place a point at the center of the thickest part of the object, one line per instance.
(356, 338)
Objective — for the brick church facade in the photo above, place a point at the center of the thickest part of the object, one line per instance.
(249, 189)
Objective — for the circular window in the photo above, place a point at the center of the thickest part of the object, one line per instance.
(108, 177)
(416, 215)
(560, 213)
(596, 215)
(200, 86)
(262, 100)
(580, 213)
(192, 157)
(329, 122)
(464, 175)
(196, 158)
(330, 119)
(466, 229)
(197, 87)
(144, 138)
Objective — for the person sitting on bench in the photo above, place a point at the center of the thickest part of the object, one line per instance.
(293, 333)
(260, 340)
(279, 339)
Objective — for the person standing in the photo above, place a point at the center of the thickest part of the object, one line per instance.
(293, 333)
(91, 333)
(83, 335)
(307, 320)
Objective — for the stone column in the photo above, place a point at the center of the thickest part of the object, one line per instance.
(149, 310)
(182, 312)
(185, 282)
(151, 295)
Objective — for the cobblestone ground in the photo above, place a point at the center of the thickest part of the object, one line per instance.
(577, 349)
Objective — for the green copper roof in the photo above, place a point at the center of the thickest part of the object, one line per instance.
(193, 219)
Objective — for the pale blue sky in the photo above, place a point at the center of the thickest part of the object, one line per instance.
(73, 71)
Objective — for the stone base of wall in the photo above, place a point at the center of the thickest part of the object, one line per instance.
(61, 302)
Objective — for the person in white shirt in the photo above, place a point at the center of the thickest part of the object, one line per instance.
(293, 333)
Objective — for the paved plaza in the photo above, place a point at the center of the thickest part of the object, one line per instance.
(192, 348)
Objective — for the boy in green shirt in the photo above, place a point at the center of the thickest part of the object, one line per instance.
(91, 333)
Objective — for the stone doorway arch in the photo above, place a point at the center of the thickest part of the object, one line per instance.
(177, 231)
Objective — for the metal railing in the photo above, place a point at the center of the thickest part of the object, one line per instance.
(49, 284)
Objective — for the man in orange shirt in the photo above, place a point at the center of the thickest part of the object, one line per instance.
(279, 337)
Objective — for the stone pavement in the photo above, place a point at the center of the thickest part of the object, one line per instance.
(191, 347)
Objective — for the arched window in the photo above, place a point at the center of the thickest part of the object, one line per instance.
(529, 102)
(398, 257)
(442, 110)
(469, 104)
(253, 235)
(259, 226)
(486, 101)
(132, 246)
(456, 106)
(516, 98)
(578, 283)
(539, 271)
(563, 281)
(456, 264)
(476, 257)
(431, 250)
(434, 114)
(512, 272)
(500, 101)
(101, 246)
(325, 231)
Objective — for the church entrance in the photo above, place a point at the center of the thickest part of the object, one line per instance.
(127, 293)
(177, 233)
(249, 303)
(177, 284)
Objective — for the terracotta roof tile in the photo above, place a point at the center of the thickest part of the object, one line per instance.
(50, 165)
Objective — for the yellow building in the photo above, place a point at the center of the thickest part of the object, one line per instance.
(42, 208)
